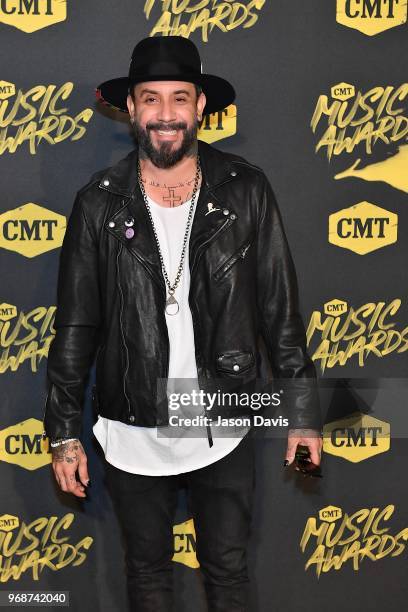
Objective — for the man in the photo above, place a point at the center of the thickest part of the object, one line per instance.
(174, 265)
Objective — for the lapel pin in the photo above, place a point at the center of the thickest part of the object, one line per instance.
(129, 222)
(211, 208)
(130, 232)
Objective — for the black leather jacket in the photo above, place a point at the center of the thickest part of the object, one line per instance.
(111, 295)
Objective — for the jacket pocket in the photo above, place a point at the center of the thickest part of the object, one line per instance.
(235, 361)
(227, 265)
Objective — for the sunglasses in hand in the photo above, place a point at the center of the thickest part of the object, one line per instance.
(305, 465)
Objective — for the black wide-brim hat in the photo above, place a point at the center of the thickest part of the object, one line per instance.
(167, 58)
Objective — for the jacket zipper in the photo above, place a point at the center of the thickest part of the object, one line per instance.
(95, 386)
(223, 227)
(121, 327)
(167, 357)
(163, 289)
(44, 433)
(233, 259)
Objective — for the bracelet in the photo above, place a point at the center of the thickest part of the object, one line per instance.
(62, 441)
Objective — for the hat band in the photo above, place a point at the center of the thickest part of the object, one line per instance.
(162, 69)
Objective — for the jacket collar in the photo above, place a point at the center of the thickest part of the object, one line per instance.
(121, 179)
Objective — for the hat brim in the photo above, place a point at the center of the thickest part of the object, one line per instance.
(218, 92)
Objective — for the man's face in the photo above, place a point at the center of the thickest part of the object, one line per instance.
(165, 117)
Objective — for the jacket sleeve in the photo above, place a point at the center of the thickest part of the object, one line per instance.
(77, 324)
(281, 323)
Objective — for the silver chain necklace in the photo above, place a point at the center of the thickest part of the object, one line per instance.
(171, 300)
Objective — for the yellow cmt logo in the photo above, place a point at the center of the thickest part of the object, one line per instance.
(185, 544)
(219, 125)
(335, 308)
(8, 522)
(7, 90)
(363, 228)
(32, 15)
(31, 230)
(343, 91)
(371, 16)
(7, 312)
(23, 445)
(356, 437)
(329, 514)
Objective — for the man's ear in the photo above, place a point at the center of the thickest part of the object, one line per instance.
(201, 102)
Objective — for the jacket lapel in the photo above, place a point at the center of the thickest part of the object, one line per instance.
(142, 244)
(211, 218)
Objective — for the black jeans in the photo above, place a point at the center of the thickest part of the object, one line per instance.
(220, 497)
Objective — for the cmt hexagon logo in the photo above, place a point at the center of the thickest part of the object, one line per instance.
(31, 230)
(7, 311)
(7, 90)
(32, 15)
(357, 437)
(371, 16)
(335, 308)
(8, 522)
(363, 228)
(219, 125)
(329, 514)
(343, 91)
(185, 544)
(23, 445)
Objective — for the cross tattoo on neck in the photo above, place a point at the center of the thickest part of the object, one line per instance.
(171, 198)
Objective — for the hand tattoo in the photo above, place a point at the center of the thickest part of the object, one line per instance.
(68, 453)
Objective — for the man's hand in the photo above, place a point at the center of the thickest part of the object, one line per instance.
(66, 460)
(305, 437)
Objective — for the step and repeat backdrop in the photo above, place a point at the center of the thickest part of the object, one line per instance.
(322, 97)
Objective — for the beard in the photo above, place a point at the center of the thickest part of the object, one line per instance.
(165, 156)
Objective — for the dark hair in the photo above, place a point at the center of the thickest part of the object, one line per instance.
(198, 89)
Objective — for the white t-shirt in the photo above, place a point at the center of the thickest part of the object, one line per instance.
(173, 449)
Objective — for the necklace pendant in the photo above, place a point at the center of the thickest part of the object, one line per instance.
(172, 302)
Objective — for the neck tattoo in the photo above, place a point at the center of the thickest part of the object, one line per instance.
(153, 183)
(172, 199)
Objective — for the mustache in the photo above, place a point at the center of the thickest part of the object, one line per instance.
(180, 125)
